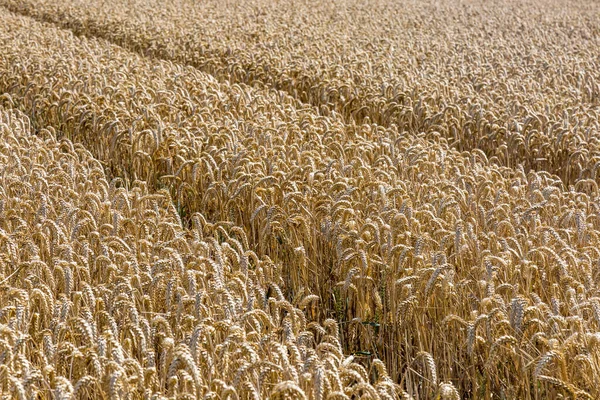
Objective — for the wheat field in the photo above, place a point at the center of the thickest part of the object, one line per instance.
(299, 200)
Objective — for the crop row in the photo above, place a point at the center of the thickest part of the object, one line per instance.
(519, 84)
(106, 295)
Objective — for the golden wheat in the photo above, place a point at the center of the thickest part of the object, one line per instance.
(288, 221)
(128, 303)
(476, 74)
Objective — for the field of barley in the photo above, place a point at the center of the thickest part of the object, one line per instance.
(277, 199)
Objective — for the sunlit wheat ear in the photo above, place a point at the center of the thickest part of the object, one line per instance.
(447, 391)
(430, 363)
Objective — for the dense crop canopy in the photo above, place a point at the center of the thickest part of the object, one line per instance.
(299, 200)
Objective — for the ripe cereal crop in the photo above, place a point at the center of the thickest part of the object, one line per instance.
(312, 200)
